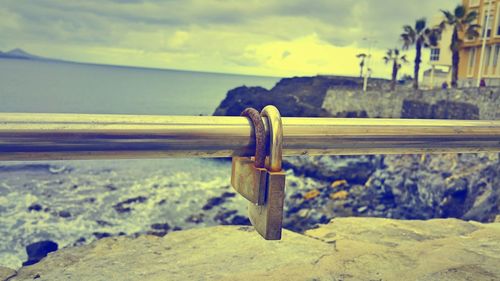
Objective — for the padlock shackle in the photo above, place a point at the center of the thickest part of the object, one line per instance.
(259, 132)
(275, 138)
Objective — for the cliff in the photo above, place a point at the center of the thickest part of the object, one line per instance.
(344, 249)
(325, 96)
(297, 96)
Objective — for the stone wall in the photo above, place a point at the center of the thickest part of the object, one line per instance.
(467, 103)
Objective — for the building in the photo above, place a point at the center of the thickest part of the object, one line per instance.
(470, 68)
(440, 59)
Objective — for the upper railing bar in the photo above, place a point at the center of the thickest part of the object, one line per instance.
(25, 136)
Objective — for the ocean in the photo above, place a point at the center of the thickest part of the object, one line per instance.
(43, 86)
(76, 202)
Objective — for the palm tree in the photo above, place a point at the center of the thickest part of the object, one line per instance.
(393, 55)
(462, 22)
(422, 37)
(362, 58)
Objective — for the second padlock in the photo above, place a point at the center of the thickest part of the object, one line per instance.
(248, 176)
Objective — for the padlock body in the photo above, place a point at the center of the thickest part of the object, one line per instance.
(248, 180)
(267, 219)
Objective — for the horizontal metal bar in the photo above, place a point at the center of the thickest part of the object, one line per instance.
(26, 136)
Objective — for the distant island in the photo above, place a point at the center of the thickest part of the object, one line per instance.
(19, 54)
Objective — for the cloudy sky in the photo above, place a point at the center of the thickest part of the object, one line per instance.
(260, 37)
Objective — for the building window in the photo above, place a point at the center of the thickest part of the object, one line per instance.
(472, 60)
(498, 20)
(435, 54)
(487, 57)
(488, 31)
(486, 28)
(495, 59)
(495, 55)
(473, 3)
(476, 21)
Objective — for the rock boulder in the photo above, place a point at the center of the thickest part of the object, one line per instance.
(344, 249)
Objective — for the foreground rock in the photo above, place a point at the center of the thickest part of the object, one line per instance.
(39, 250)
(345, 249)
(6, 273)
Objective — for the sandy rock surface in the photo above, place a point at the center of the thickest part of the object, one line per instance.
(6, 273)
(344, 249)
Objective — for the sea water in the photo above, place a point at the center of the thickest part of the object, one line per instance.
(75, 202)
(40, 86)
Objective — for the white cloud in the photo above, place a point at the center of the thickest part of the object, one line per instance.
(178, 39)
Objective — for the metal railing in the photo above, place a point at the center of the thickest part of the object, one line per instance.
(26, 136)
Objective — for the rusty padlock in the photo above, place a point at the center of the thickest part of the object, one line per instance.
(267, 219)
(248, 175)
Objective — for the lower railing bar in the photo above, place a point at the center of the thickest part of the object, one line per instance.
(26, 136)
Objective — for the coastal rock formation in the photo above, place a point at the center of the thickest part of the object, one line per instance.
(39, 250)
(344, 249)
(324, 96)
(297, 96)
(355, 169)
(404, 187)
(398, 186)
(449, 185)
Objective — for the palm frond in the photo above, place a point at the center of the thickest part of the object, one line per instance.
(475, 26)
(450, 18)
(408, 36)
(408, 29)
(460, 11)
(441, 26)
(472, 32)
(407, 41)
(420, 25)
(433, 38)
(471, 17)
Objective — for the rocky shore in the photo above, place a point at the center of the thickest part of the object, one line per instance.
(344, 249)
(397, 186)
(118, 203)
